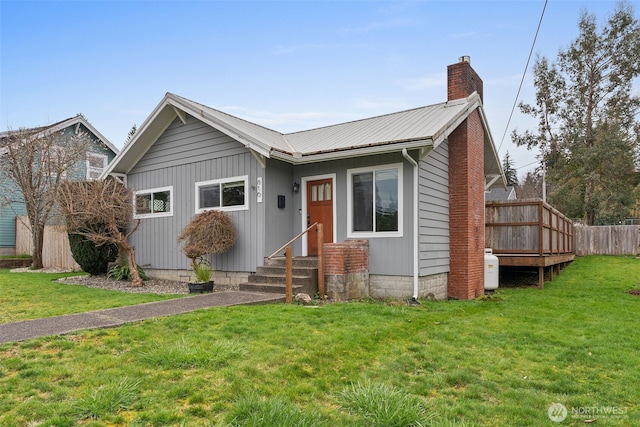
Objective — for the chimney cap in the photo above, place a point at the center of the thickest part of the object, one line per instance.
(465, 58)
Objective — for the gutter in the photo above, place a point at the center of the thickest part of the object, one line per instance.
(416, 234)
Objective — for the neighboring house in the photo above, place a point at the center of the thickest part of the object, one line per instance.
(97, 159)
(412, 183)
(501, 194)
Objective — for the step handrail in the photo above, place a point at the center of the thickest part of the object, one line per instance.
(283, 247)
(289, 261)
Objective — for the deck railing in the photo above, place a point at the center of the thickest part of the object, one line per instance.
(289, 261)
(527, 227)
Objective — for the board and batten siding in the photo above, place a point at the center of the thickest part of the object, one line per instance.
(433, 183)
(280, 222)
(183, 155)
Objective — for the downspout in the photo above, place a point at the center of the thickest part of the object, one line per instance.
(416, 231)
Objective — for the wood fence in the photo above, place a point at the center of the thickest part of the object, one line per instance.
(56, 252)
(607, 240)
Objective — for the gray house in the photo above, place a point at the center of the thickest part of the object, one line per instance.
(411, 184)
(501, 194)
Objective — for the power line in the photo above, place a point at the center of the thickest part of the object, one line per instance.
(515, 101)
(528, 164)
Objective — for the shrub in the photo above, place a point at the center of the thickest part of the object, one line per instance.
(210, 232)
(121, 271)
(203, 271)
(91, 258)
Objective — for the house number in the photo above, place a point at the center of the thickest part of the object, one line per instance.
(259, 190)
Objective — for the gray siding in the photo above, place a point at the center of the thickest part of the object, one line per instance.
(387, 255)
(434, 211)
(182, 156)
(185, 154)
(280, 227)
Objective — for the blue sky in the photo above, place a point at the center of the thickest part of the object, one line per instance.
(288, 65)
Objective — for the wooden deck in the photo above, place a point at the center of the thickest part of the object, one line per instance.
(529, 233)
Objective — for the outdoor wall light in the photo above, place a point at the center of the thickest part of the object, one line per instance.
(296, 187)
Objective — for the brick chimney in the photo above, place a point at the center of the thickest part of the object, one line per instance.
(466, 189)
(462, 80)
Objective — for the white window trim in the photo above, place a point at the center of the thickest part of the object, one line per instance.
(243, 178)
(374, 234)
(154, 215)
(105, 160)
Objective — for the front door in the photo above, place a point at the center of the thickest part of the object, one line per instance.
(319, 209)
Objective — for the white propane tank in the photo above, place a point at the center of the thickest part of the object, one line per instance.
(491, 270)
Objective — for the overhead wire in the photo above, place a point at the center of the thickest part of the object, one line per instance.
(524, 74)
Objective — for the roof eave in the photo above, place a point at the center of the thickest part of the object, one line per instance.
(389, 147)
(159, 120)
(133, 151)
(70, 122)
(194, 110)
(490, 145)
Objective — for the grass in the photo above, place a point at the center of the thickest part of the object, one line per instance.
(26, 296)
(23, 256)
(494, 362)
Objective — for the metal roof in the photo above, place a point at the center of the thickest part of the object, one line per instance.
(410, 125)
(271, 138)
(411, 129)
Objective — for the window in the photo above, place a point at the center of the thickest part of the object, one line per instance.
(96, 163)
(153, 203)
(375, 201)
(229, 194)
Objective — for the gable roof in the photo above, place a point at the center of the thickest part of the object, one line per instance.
(419, 128)
(500, 194)
(66, 123)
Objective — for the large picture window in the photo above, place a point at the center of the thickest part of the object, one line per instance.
(153, 203)
(229, 194)
(375, 201)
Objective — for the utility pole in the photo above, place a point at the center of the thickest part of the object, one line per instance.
(544, 182)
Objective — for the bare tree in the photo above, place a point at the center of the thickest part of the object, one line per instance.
(33, 165)
(102, 212)
(530, 186)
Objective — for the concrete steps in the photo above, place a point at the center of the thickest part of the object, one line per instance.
(272, 276)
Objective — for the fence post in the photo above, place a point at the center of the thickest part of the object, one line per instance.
(320, 261)
(289, 281)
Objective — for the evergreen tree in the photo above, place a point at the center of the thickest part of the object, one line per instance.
(510, 173)
(588, 132)
(132, 132)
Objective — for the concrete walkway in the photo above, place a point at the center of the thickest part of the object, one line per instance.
(58, 325)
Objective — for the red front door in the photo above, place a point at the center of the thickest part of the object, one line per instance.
(320, 210)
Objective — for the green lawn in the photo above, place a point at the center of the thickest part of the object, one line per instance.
(26, 296)
(496, 362)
